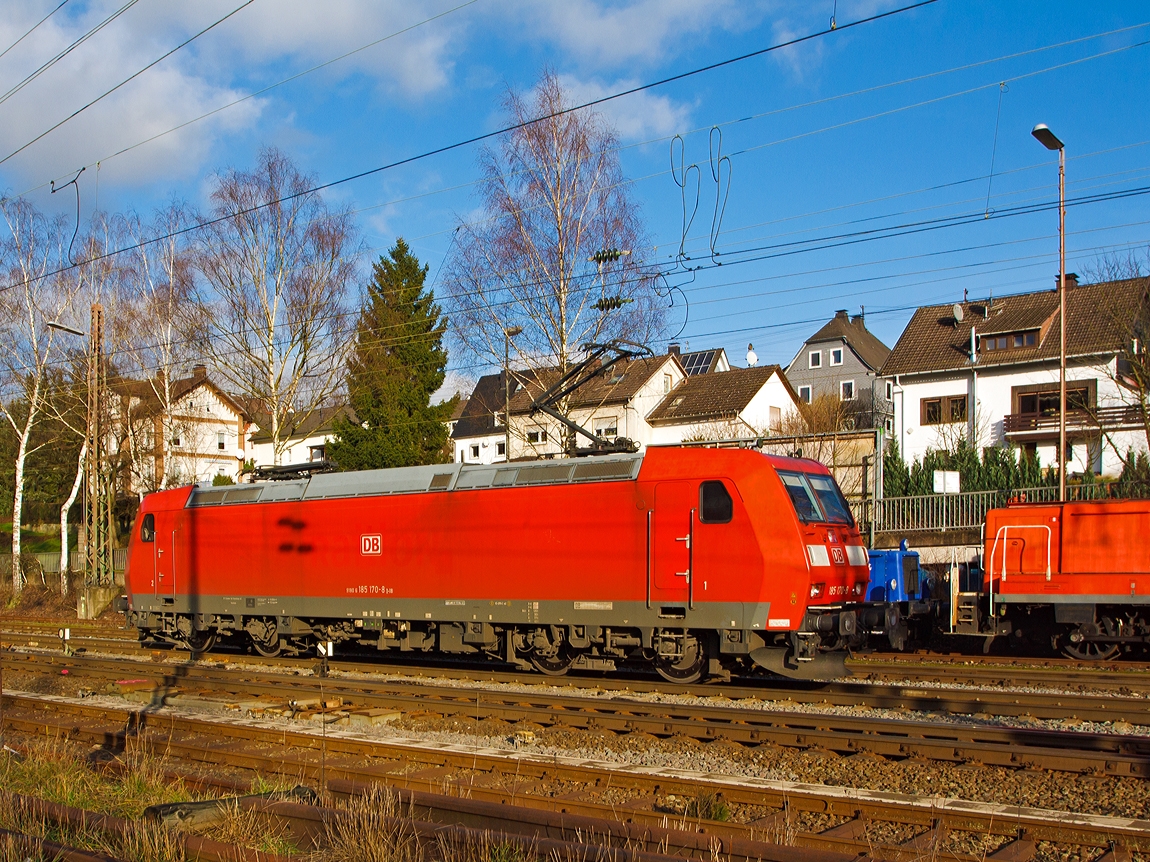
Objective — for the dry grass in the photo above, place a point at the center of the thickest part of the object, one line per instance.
(245, 828)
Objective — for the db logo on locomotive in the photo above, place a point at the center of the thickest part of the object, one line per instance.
(369, 545)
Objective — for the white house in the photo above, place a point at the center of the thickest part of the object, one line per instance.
(477, 433)
(987, 372)
(205, 429)
(305, 441)
(741, 402)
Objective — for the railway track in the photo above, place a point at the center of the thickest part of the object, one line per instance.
(1065, 675)
(208, 685)
(456, 778)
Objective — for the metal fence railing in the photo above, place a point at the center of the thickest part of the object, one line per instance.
(932, 512)
(50, 563)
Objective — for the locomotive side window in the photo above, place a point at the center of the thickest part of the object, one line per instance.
(148, 528)
(715, 505)
(802, 497)
(831, 499)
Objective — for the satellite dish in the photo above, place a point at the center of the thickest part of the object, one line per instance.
(752, 357)
(957, 313)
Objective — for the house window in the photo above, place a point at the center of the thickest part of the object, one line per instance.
(176, 442)
(942, 411)
(221, 441)
(1009, 341)
(776, 419)
(666, 383)
(538, 436)
(501, 448)
(317, 453)
(608, 429)
(1045, 403)
(889, 423)
(889, 391)
(837, 356)
(475, 452)
(805, 394)
(815, 359)
(847, 390)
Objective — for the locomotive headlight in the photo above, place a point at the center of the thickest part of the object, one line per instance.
(817, 590)
(859, 587)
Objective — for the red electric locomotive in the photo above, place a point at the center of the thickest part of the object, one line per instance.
(1076, 573)
(691, 559)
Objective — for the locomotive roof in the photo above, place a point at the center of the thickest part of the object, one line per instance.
(417, 480)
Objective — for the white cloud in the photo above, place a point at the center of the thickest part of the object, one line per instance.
(612, 34)
(635, 117)
(260, 44)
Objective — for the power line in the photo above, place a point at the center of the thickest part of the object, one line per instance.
(271, 87)
(62, 54)
(34, 28)
(506, 129)
(131, 77)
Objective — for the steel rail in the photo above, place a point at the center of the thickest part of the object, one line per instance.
(1062, 750)
(522, 777)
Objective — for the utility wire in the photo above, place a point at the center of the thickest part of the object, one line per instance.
(506, 129)
(131, 77)
(62, 54)
(34, 28)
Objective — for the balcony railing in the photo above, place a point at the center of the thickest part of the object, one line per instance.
(965, 511)
(1103, 417)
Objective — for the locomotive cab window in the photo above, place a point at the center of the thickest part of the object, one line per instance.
(715, 504)
(831, 498)
(148, 528)
(802, 497)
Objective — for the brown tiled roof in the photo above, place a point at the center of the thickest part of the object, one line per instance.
(318, 420)
(854, 332)
(618, 385)
(148, 391)
(708, 397)
(1099, 320)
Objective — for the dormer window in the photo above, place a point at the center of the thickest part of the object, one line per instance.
(1008, 341)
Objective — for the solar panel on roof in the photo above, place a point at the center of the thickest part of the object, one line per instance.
(698, 363)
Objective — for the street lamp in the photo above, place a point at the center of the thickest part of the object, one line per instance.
(509, 332)
(1049, 140)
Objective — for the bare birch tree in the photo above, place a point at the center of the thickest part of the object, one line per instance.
(275, 265)
(30, 298)
(560, 250)
(154, 334)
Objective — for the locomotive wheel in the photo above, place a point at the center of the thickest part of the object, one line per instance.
(268, 650)
(552, 665)
(201, 642)
(1090, 650)
(688, 667)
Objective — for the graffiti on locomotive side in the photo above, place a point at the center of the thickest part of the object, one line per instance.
(370, 590)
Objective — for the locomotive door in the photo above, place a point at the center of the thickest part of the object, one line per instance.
(164, 549)
(672, 534)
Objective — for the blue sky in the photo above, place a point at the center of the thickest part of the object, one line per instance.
(888, 124)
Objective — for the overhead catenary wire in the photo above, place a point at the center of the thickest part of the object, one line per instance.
(84, 37)
(34, 27)
(879, 16)
(127, 80)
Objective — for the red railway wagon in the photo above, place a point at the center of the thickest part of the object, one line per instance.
(1076, 573)
(692, 559)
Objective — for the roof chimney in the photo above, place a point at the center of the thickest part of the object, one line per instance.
(199, 372)
(841, 314)
(673, 347)
(1071, 280)
(861, 316)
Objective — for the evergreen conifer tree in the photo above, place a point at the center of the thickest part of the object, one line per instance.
(397, 364)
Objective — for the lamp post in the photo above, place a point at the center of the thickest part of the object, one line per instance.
(1049, 140)
(509, 332)
(98, 500)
